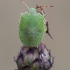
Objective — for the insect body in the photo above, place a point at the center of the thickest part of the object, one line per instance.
(40, 9)
(31, 27)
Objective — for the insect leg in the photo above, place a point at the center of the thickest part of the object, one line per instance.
(46, 22)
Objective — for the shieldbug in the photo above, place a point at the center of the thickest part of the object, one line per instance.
(32, 26)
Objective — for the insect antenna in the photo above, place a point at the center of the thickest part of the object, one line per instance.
(47, 6)
(24, 3)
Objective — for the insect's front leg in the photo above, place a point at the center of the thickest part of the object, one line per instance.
(47, 31)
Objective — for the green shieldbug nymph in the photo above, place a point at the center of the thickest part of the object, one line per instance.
(31, 27)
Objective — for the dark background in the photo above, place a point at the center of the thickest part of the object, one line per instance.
(59, 25)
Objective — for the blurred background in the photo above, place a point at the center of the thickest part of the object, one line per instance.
(59, 26)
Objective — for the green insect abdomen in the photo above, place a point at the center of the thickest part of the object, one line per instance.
(31, 29)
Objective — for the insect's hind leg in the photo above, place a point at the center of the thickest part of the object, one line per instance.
(47, 31)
